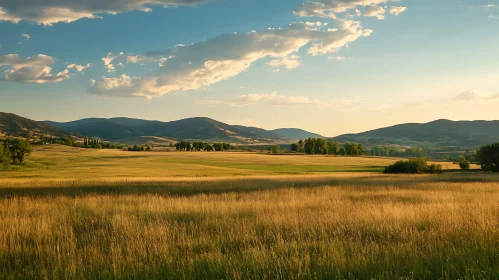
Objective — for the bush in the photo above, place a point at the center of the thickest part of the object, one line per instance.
(464, 163)
(413, 166)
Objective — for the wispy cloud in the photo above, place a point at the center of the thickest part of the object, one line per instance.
(282, 100)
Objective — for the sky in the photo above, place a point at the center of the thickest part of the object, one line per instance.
(327, 66)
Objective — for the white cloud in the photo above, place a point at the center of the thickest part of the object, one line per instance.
(281, 100)
(397, 10)
(26, 36)
(330, 8)
(108, 61)
(48, 12)
(474, 95)
(374, 11)
(205, 63)
(338, 58)
(33, 69)
(289, 62)
(79, 68)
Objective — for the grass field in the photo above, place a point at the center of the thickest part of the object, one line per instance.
(51, 162)
(74, 214)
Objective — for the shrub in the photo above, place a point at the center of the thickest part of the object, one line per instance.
(413, 166)
(464, 163)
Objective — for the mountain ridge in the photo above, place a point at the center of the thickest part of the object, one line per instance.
(196, 128)
(438, 133)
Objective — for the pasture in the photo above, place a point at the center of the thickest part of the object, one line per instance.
(85, 214)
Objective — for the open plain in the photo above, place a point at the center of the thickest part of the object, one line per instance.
(94, 214)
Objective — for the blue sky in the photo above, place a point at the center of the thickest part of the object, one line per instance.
(368, 64)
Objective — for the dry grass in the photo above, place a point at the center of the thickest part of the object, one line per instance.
(59, 162)
(344, 226)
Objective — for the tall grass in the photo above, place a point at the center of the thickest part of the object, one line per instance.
(343, 226)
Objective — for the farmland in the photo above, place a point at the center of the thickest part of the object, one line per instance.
(82, 214)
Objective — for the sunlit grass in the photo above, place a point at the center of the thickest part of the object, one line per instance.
(356, 226)
(65, 162)
(90, 214)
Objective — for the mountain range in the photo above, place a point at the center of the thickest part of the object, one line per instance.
(204, 129)
(436, 134)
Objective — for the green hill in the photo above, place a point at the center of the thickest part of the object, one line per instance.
(439, 133)
(14, 125)
(296, 133)
(202, 129)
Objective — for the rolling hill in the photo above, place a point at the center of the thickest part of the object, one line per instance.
(14, 125)
(202, 129)
(296, 133)
(439, 133)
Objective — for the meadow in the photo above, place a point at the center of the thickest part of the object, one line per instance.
(108, 214)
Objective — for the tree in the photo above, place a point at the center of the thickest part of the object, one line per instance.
(17, 150)
(342, 151)
(360, 150)
(300, 145)
(5, 157)
(275, 149)
(333, 148)
(295, 147)
(351, 149)
(488, 156)
(218, 147)
(308, 146)
(464, 163)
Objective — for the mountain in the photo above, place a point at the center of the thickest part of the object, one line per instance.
(439, 133)
(14, 125)
(202, 129)
(296, 133)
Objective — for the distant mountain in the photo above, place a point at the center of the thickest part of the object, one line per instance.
(439, 133)
(296, 133)
(202, 129)
(14, 125)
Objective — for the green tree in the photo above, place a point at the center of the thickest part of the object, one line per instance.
(294, 147)
(333, 148)
(5, 157)
(275, 149)
(300, 146)
(488, 156)
(309, 146)
(342, 151)
(464, 163)
(18, 150)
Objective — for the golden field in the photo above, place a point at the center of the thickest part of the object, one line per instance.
(289, 220)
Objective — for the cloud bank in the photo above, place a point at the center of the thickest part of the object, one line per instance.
(48, 12)
(202, 64)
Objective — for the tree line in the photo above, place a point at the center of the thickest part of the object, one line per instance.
(320, 146)
(14, 151)
(185, 145)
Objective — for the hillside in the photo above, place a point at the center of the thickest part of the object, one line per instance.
(203, 129)
(14, 125)
(439, 133)
(296, 133)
